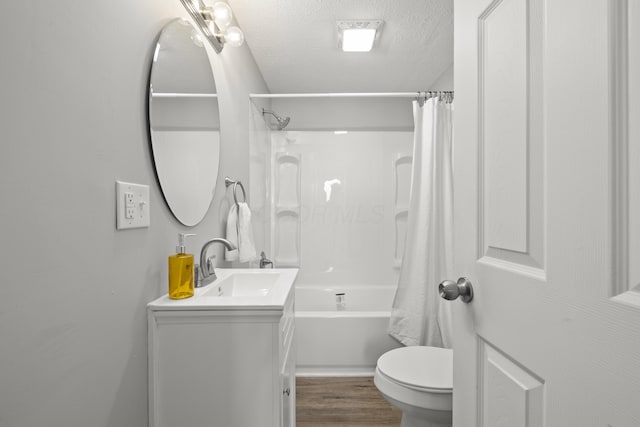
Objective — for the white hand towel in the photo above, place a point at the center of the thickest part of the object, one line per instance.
(232, 234)
(246, 247)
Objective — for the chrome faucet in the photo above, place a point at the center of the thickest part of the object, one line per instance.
(264, 261)
(205, 273)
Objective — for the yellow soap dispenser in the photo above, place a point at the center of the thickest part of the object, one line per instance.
(181, 271)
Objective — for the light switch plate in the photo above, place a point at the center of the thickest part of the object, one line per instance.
(132, 205)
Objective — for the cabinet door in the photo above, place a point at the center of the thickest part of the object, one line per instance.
(234, 364)
(288, 381)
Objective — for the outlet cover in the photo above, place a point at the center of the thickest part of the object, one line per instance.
(132, 205)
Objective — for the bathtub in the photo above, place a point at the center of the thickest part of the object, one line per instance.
(341, 335)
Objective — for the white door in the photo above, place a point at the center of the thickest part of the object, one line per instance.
(547, 217)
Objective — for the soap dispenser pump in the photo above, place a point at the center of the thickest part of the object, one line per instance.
(181, 271)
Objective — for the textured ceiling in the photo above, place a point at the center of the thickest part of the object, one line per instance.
(295, 44)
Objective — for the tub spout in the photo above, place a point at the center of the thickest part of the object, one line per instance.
(264, 261)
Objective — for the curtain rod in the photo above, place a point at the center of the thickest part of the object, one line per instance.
(347, 95)
(183, 95)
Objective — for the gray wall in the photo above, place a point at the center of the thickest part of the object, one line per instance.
(73, 333)
(390, 114)
(445, 81)
(357, 113)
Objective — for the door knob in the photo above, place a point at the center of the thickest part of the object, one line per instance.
(451, 290)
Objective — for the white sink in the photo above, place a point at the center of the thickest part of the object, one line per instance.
(237, 289)
(257, 284)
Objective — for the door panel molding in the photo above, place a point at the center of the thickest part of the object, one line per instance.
(624, 41)
(511, 203)
(511, 395)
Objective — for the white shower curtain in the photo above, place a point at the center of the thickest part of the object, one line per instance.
(419, 316)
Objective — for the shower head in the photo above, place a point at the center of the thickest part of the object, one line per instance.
(282, 121)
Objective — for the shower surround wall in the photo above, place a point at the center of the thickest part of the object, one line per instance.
(335, 205)
(340, 201)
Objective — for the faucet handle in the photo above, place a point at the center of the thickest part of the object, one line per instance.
(210, 268)
(197, 276)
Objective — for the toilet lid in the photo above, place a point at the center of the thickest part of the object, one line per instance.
(419, 367)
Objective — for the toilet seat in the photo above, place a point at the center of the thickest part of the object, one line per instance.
(420, 376)
(420, 368)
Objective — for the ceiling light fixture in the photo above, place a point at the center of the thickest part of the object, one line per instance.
(215, 23)
(358, 35)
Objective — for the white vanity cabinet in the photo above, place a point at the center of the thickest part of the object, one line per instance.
(221, 366)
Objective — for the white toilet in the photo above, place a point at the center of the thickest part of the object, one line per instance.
(418, 381)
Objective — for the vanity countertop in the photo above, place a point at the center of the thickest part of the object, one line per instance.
(237, 289)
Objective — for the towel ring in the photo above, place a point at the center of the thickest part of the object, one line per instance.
(228, 181)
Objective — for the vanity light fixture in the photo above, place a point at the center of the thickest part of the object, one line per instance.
(358, 35)
(215, 23)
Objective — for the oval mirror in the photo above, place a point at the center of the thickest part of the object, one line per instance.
(184, 122)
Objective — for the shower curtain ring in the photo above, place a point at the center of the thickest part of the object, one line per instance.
(422, 98)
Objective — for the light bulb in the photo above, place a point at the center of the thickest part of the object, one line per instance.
(196, 39)
(212, 27)
(234, 37)
(222, 15)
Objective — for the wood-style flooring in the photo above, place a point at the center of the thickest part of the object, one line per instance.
(342, 402)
